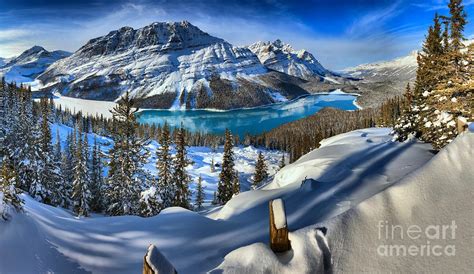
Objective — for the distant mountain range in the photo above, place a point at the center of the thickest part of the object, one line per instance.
(283, 58)
(170, 65)
(402, 69)
(176, 65)
(30, 64)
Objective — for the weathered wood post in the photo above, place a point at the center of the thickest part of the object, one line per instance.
(279, 241)
(461, 124)
(155, 263)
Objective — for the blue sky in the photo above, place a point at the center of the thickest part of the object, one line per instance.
(340, 33)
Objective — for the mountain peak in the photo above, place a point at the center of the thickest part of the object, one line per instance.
(156, 36)
(280, 56)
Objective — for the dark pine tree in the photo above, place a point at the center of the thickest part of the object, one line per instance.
(226, 177)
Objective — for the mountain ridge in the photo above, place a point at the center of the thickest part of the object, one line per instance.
(168, 65)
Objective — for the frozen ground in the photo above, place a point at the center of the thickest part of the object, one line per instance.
(357, 179)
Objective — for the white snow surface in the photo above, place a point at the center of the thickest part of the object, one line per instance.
(279, 213)
(345, 171)
(438, 194)
(87, 107)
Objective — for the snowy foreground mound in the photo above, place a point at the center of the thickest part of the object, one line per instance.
(357, 180)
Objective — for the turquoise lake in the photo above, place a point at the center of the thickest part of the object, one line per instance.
(248, 120)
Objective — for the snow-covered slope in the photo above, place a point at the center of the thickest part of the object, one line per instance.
(283, 58)
(348, 169)
(31, 63)
(421, 224)
(435, 200)
(166, 65)
(403, 69)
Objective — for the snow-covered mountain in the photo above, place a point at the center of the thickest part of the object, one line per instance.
(403, 69)
(168, 65)
(283, 58)
(31, 63)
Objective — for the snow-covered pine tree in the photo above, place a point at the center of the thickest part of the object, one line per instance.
(8, 191)
(150, 201)
(51, 177)
(282, 161)
(406, 125)
(67, 167)
(199, 194)
(127, 157)
(261, 172)
(429, 65)
(96, 179)
(180, 175)
(236, 184)
(226, 177)
(81, 194)
(451, 97)
(164, 165)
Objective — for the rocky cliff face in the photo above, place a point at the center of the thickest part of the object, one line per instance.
(167, 65)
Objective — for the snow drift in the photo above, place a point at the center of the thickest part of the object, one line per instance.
(437, 198)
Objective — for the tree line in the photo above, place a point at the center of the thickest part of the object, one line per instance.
(82, 177)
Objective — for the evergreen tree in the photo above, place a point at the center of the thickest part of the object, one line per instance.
(81, 194)
(164, 165)
(8, 191)
(51, 177)
(96, 179)
(226, 177)
(458, 22)
(282, 161)
(180, 175)
(127, 157)
(150, 201)
(199, 194)
(236, 184)
(260, 171)
(451, 96)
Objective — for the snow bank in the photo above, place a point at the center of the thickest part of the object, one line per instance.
(424, 223)
(308, 255)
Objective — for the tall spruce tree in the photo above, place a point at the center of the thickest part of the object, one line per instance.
(199, 194)
(451, 97)
(226, 177)
(81, 194)
(127, 157)
(180, 175)
(96, 179)
(261, 172)
(51, 177)
(164, 165)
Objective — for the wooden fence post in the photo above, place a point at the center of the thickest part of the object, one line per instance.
(155, 263)
(461, 124)
(279, 241)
